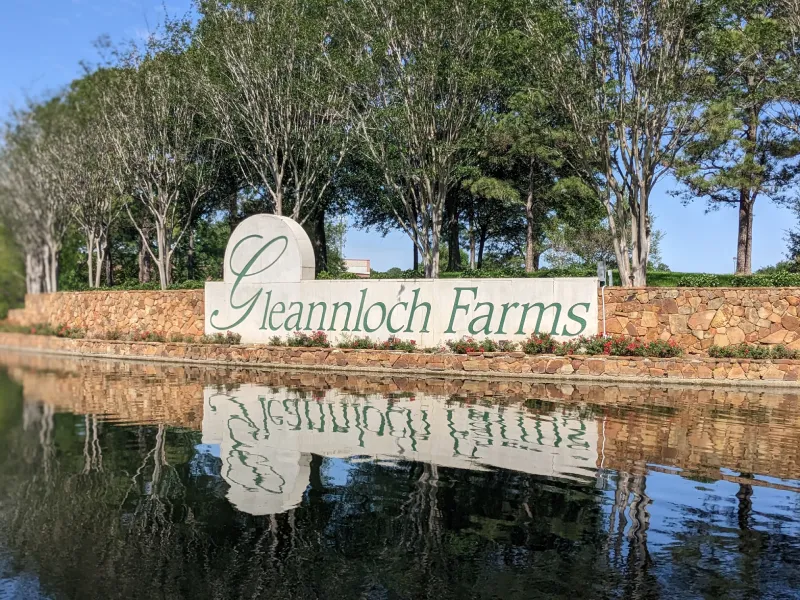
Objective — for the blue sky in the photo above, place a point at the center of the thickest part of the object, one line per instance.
(43, 41)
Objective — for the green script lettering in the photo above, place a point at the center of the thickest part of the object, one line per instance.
(311, 308)
(297, 316)
(542, 308)
(245, 272)
(506, 307)
(266, 310)
(336, 307)
(581, 321)
(389, 318)
(369, 329)
(274, 312)
(360, 310)
(414, 307)
(457, 306)
(473, 325)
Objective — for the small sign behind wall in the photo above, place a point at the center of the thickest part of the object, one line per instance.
(269, 290)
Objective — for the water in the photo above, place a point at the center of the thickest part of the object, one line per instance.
(126, 480)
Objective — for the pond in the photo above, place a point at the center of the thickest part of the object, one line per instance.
(134, 480)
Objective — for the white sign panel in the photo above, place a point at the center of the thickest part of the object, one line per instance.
(269, 290)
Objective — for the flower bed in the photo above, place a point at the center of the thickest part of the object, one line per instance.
(543, 343)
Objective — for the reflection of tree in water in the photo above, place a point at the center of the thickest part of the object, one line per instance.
(138, 512)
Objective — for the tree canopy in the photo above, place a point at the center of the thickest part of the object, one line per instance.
(504, 133)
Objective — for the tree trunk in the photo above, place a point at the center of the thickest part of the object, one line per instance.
(90, 258)
(233, 210)
(472, 240)
(320, 241)
(481, 243)
(109, 263)
(453, 244)
(163, 257)
(744, 240)
(145, 265)
(530, 260)
(190, 258)
(747, 196)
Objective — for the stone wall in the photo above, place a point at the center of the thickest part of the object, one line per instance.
(695, 318)
(178, 311)
(505, 365)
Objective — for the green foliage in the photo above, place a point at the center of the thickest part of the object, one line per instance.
(63, 331)
(539, 343)
(753, 351)
(12, 278)
(318, 339)
(773, 279)
(471, 345)
(699, 280)
(543, 343)
(365, 343)
(228, 338)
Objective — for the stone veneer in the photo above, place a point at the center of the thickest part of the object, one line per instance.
(496, 364)
(174, 311)
(695, 318)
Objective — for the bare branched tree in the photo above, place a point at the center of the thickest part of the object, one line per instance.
(431, 74)
(35, 193)
(625, 77)
(282, 105)
(164, 157)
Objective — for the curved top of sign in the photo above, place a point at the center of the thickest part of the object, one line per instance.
(268, 249)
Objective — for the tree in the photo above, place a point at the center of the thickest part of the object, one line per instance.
(94, 200)
(35, 187)
(430, 74)
(747, 148)
(624, 73)
(161, 147)
(272, 79)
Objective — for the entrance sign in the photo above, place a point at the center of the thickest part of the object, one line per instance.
(269, 290)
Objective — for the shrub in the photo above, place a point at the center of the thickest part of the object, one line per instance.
(65, 331)
(778, 278)
(228, 338)
(506, 346)
(699, 280)
(111, 334)
(569, 347)
(594, 345)
(539, 343)
(356, 343)
(318, 339)
(179, 338)
(467, 345)
(662, 349)
(752, 351)
(276, 340)
(146, 336)
(394, 343)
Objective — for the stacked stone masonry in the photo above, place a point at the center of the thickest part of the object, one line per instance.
(698, 318)
(695, 318)
(175, 311)
(506, 364)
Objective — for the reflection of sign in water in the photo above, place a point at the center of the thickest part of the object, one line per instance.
(266, 437)
(269, 289)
